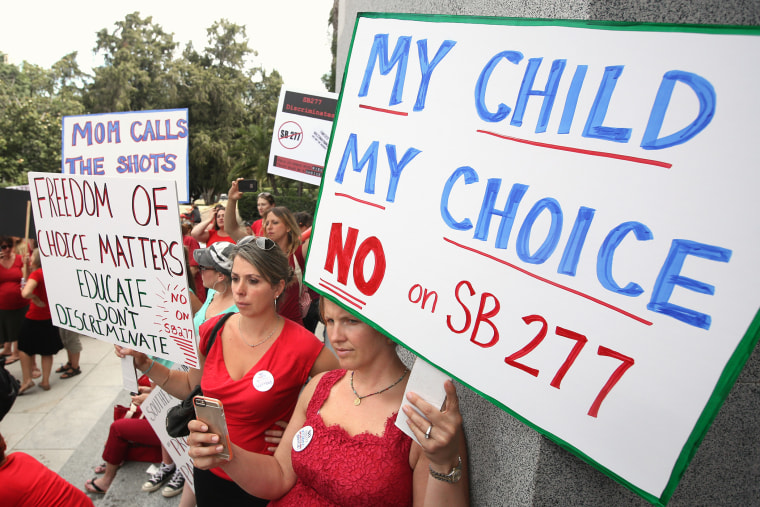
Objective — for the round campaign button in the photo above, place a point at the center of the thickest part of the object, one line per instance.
(263, 381)
(302, 438)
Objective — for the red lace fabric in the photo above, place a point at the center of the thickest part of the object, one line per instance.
(338, 469)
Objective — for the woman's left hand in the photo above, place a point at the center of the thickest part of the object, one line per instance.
(275, 436)
(441, 443)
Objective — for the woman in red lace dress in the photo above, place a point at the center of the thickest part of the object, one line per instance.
(346, 449)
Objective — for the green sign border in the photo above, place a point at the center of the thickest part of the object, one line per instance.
(749, 340)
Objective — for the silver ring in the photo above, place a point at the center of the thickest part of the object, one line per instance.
(427, 433)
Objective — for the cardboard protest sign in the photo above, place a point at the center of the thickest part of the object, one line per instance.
(113, 260)
(136, 145)
(155, 407)
(13, 209)
(559, 214)
(301, 135)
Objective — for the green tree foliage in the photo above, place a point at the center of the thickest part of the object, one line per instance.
(32, 103)
(139, 70)
(231, 105)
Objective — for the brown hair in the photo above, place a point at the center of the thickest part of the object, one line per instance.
(294, 235)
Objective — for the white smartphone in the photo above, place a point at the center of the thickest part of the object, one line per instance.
(211, 412)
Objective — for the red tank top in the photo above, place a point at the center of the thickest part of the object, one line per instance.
(336, 468)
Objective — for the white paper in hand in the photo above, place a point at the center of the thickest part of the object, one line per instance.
(129, 374)
(427, 382)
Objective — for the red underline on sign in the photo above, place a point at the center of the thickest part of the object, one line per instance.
(638, 160)
(338, 194)
(381, 110)
(350, 299)
(555, 284)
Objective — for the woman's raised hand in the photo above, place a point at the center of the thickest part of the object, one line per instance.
(439, 432)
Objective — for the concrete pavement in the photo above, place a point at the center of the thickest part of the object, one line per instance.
(66, 427)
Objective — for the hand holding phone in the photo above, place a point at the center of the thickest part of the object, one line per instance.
(211, 412)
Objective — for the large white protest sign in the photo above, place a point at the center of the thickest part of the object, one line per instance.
(301, 135)
(136, 145)
(562, 215)
(113, 261)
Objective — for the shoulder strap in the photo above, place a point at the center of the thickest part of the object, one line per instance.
(215, 330)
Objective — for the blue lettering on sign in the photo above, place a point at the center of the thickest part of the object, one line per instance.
(104, 133)
(549, 93)
(488, 209)
(571, 102)
(470, 177)
(670, 277)
(706, 96)
(606, 253)
(399, 60)
(502, 110)
(369, 158)
(427, 68)
(552, 238)
(351, 153)
(594, 127)
(397, 167)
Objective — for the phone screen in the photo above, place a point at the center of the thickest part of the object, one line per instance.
(211, 412)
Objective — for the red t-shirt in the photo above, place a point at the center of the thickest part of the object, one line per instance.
(256, 227)
(10, 286)
(214, 236)
(251, 404)
(192, 244)
(39, 312)
(27, 482)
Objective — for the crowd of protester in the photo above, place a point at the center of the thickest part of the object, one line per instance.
(310, 420)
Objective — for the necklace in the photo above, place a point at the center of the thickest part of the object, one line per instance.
(262, 341)
(359, 399)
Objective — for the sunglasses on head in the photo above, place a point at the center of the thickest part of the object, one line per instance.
(205, 268)
(261, 242)
(265, 194)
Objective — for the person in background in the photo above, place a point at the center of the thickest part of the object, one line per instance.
(191, 244)
(304, 219)
(232, 226)
(193, 215)
(211, 230)
(346, 448)
(215, 263)
(282, 228)
(136, 433)
(256, 366)
(28, 483)
(311, 319)
(38, 335)
(264, 203)
(73, 345)
(12, 306)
